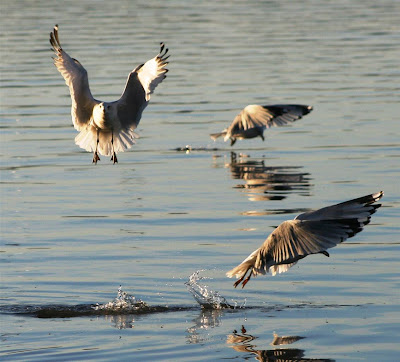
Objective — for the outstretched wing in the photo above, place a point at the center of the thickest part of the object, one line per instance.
(76, 78)
(153, 71)
(140, 84)
(267, 116)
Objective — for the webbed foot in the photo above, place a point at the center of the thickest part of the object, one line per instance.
(114, 158)
(95, 158)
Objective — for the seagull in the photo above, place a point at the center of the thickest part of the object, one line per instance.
(254, 119)
(107, 127)
(309, 233)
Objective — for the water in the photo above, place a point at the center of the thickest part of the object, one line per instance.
(72, 232)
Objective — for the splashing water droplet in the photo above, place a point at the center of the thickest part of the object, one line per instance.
(207, 298)
(124, 302)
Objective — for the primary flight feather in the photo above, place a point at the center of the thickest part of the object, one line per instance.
(108, 127)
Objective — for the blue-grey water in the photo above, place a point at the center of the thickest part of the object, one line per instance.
(72, 232)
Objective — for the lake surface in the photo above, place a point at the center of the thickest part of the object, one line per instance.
(73, 232)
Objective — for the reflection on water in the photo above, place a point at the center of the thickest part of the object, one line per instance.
(279, 340)
(120, 321)
(243, 342)
(208, 318)
(263, 183)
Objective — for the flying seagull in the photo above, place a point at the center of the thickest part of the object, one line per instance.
(107, 127)
(309, 233)
(254, 119)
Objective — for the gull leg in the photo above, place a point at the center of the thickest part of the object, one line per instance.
(238, 281)
(114, 155)
(247, 279)
(96, 155)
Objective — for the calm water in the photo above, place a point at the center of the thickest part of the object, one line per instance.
(72, 232)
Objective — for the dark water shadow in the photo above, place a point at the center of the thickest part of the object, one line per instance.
(80, 310)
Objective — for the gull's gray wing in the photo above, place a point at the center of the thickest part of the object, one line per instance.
(293, 240)
(76, 78)
(255, 115)
(140, 84)
(358, 208)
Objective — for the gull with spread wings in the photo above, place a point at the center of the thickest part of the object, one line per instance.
(108, 127)
(254, 119)
(309, 233)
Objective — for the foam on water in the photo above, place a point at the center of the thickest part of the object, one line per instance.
(207, 298)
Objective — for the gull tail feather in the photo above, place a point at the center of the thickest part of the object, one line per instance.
(244, 266)
(238, 271)
(123, 140)
(214, 136)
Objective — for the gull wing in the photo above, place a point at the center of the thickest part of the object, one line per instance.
(293, 239)
(255, 115)
(153, 71)
(76, 78)
(140, 84)
(361, 207)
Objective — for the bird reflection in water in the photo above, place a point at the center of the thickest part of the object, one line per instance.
(263, 183)
(243, 342)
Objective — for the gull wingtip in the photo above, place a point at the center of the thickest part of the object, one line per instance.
(377, 196)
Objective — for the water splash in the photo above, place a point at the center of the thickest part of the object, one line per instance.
(124, 302)
(207, 298)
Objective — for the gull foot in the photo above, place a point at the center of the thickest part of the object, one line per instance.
(95, 158)
(114, 158)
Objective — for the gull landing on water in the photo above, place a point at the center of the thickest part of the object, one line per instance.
(254, 119)
(309, 233)
(107, 127)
